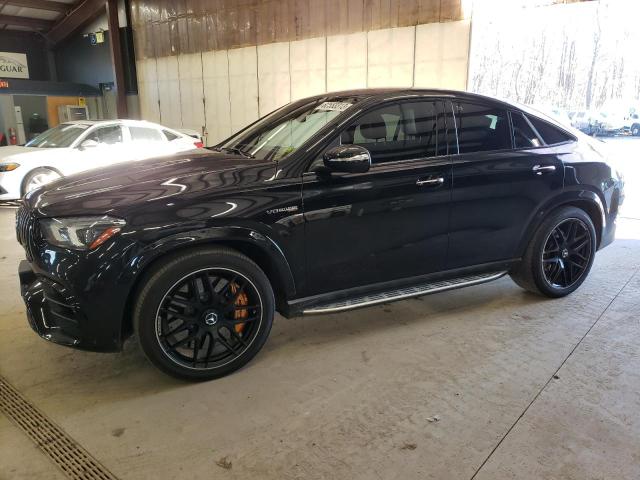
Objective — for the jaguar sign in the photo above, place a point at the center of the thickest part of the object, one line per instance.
(13, 65)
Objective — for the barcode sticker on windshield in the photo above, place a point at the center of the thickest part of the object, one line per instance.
(334, 106)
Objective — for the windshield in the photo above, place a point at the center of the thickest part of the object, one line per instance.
(61, 136)
(284, 131)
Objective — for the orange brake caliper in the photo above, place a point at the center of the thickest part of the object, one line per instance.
(243, 312)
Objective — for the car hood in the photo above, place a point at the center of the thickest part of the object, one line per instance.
(150, 183)
(18, 154)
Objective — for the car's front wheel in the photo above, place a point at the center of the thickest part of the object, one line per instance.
(560, 254)
(204, 313)
(38, 178)
(635, 130)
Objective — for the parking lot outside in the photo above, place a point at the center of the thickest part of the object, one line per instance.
(487, 382)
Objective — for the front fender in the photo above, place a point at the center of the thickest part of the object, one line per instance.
(207, 236)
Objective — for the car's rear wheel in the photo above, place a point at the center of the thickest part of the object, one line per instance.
(38, 178)
(560, 254)
(204, 314)
(635, 130)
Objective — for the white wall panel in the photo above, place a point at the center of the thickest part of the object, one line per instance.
(346, 61)
(169, 92)
(190, 73)
(243, 86)
(215, 65)
(148, 89)
(390, 57)
(442, 55)
(308, 67)
(274, 80)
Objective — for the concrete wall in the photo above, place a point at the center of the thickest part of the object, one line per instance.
(221, 91)
(79, 61)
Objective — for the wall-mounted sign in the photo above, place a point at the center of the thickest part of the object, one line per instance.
(13, 65)
(95, 38)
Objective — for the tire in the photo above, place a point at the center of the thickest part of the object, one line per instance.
(37, 178)
(174, 297)
(635, 130)
(545, 271)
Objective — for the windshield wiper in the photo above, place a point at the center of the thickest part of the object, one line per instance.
(235, 150)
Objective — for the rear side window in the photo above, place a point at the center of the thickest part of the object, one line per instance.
(145, 134)
(402, 131)
(550, 134)
(482, 128)
(170, 136)
(523, 135)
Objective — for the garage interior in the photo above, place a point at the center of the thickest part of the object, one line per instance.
(486, 382)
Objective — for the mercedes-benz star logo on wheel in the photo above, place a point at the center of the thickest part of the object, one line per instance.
(211, 319)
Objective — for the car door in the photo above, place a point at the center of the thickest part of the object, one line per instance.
(497, 189)
(392, 221)
(102, 146)
(147, 142)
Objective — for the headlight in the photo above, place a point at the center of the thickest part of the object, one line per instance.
(7, 167)
(80, 233)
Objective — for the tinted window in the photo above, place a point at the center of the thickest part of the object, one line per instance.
(482, 128)
(106, 135)
(145, 134)
(523, 134)
(400, 131)
(170, 136)
(550, 134)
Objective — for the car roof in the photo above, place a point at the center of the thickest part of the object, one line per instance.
(121, 121)
(391, 93)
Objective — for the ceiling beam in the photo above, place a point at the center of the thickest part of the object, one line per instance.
(34, 23)
(41, 5)
(80, 16)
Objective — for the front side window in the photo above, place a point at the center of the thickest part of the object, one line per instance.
(401, 131)
(482, 128)
(106, 135)
(523, 134)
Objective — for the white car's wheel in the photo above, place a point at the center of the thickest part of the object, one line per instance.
(38, 178)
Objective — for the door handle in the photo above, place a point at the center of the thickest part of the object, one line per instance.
(430, 182)
(539, 169)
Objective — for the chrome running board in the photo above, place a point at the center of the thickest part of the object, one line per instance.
(402, 293)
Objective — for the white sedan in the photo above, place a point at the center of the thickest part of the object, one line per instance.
(74, 147)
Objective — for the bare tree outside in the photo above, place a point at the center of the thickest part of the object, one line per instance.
(572, 56)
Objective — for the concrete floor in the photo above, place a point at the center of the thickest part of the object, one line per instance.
(487, 382)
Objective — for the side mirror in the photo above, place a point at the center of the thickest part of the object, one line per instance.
(348, 158)
(88, 144)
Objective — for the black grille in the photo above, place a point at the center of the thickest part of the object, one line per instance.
(26, 230)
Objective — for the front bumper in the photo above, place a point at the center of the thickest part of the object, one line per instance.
(73, 301)
(10, 185)
(51, 314)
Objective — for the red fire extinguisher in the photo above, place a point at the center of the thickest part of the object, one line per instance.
(13, 140)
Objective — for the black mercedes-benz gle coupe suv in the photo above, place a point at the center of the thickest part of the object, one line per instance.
(333, 202)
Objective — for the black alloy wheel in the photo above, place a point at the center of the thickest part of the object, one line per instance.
(559, 255)
(204, 313)
(209, 318)
(567, 253)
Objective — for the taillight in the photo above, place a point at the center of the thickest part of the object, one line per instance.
(198, 144)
